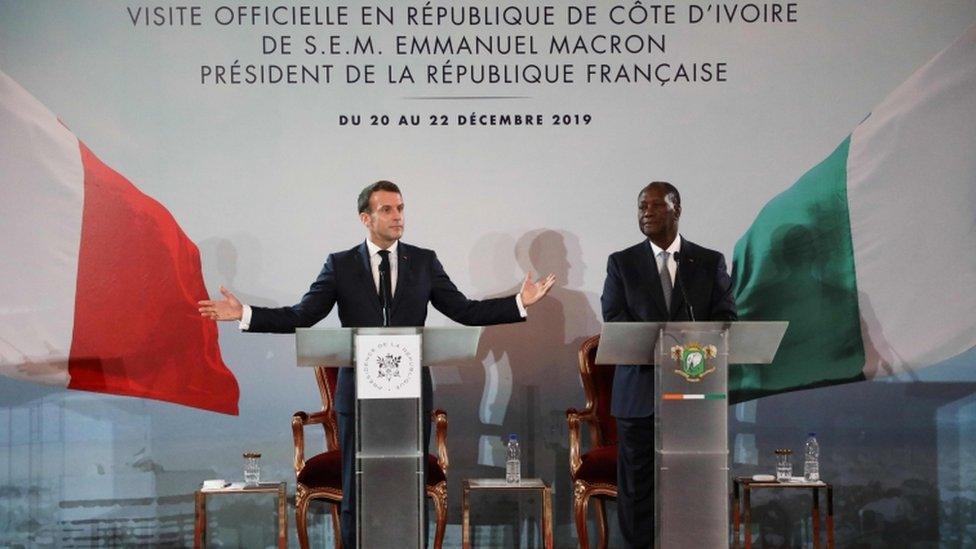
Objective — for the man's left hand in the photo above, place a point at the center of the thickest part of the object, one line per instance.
(534, 291)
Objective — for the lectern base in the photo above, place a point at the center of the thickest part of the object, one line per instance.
(693, 502)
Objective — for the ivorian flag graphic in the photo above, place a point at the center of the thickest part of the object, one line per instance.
(871, 255)
(98, 283)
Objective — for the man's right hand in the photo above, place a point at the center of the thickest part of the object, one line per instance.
(228, 308)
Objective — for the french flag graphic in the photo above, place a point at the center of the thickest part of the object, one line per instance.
(98, 282)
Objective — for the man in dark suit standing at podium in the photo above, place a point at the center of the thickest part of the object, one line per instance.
(380, 282)
(644, 284)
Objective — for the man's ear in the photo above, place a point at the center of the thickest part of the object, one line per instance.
(365, 218)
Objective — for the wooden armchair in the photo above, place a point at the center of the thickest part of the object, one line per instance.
(594, 472)
(320, 477)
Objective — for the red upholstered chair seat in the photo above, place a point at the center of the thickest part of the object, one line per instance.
(325, 471)
(599, 465)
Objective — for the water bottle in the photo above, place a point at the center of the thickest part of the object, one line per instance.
(811, 459)
(513, 460)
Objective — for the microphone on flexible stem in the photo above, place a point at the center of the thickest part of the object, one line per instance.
(383, 298)
(681, 284)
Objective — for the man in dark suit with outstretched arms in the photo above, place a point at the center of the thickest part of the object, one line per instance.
(380, 282)
(644, 284)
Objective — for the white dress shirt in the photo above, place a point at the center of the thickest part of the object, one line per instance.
(674, 248)
(374, 264)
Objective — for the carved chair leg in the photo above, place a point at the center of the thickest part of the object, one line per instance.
(336, 525)
(580, 501)
(439, 495)
(601, 521)
(301, 521)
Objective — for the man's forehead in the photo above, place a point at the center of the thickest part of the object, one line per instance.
(384, 198)
(652, 193)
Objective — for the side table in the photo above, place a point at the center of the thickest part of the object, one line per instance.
(200, 500)
(500, 484)
(745, 516)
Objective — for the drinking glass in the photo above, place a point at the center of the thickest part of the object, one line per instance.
(252, 468)
(784, 465)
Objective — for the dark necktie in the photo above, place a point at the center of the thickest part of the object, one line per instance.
(386, 286)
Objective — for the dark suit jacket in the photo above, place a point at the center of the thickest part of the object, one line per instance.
(347, 280)
(633, 293)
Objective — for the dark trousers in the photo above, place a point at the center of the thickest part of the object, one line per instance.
(635, 481)
(347, 441)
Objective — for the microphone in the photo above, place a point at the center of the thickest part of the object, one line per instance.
(681, 284)
(384, 298)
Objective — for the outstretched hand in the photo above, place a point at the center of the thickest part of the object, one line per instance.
(228, 308)
(534, 291)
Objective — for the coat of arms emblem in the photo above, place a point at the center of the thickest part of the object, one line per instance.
(692, 360)
(388, 366)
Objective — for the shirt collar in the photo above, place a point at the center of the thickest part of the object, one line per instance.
(373, 249)
(675, 247)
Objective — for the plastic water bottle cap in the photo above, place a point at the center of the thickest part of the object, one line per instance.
(513, 436)
(811, 434)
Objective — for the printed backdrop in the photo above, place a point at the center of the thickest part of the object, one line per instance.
(520, 134)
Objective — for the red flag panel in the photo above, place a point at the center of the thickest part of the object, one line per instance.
(137, 331)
